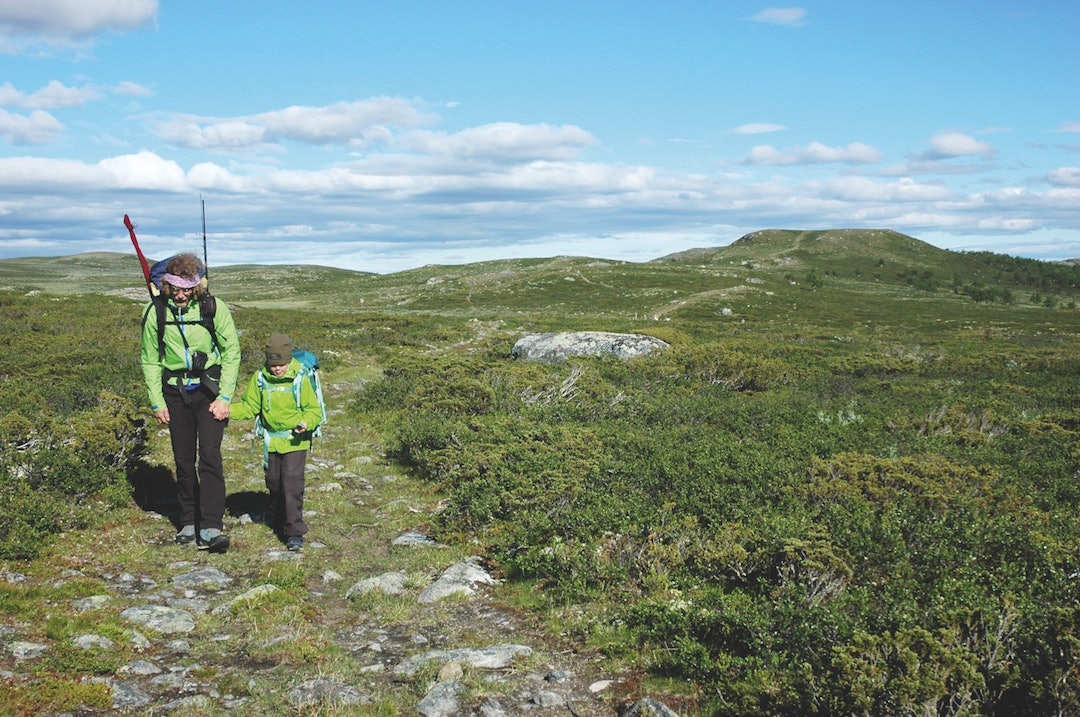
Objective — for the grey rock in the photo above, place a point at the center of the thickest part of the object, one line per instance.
(27, 650)
(414, 538)
(457, 579)
(491, 707)
(194, 702)
(441, 700)
(451, 671)
(195, 605)
(392, 583)
(140, 667)
(173, 681)
(88, 642)
(138, 640)
(547, 698)
(204, 578)
(126, 695)
(556, 676)
(286, 555)
(313, 692)
(556, 347)
(91, 603)
(649, 707)
(495, 657)
(158, 617)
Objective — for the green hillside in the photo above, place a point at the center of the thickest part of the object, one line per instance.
(848, 487)
(766, 275)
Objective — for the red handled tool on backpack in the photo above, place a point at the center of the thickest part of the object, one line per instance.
(142, 259)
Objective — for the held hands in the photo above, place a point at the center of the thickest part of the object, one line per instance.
(220, 409)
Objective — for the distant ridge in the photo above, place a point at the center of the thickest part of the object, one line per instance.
(789, 261)
(803, 245)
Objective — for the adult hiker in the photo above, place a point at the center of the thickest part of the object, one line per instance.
(287, 408)
(190, 367)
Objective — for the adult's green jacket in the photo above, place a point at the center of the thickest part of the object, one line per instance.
(184, 338)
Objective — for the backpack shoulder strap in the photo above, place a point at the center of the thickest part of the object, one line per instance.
(207, 312)
(157, 302)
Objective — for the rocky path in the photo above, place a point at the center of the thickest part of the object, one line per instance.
(373, 617)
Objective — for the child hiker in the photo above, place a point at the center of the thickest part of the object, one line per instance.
(286, 415)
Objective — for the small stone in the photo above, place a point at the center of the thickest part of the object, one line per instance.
(547, 698)
(140, 667)
(160, 618)
(91, 603)
(88, 642)
(451, 671)
(27, 650)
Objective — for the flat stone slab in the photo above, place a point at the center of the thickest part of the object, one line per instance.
(158, 617)
(457, 579)
(494, 657)
(392, 583)
(556, 347)
(318, 690)
(204, 578)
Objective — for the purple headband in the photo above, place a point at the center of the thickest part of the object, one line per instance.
(182, 283)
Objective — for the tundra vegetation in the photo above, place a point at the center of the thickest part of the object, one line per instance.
(848, 488)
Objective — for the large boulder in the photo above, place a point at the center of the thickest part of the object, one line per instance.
(556, 347)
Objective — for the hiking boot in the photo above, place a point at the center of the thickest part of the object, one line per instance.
(218, 544)
(186, 535)
(213, 540)
(295, 544)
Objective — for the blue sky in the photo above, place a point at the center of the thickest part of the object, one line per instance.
(383, 136)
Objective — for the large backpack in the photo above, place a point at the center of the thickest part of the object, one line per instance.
(309, 371)
(207, 306)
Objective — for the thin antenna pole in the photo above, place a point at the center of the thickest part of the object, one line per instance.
(206, 263)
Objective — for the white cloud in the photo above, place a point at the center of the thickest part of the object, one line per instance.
(343, 122)
(786, 16)
(73, 19)
(355, 124)
(143, 171)
(53, 96)
(132, 89)
(813, 153)
(758, 128)
(945, 145)
(505, 141)
(1070, 127)
(490, 191)
(220, 136)
(1065, 176)
(36, 128)
(862, 189)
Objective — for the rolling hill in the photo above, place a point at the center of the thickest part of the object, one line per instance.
(765, 275)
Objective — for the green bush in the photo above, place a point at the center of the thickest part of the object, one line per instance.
(773, 521)
(72, 429)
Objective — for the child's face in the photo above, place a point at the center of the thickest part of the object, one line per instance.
(279, 371)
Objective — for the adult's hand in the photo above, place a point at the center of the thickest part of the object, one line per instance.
(220, 409)
(162, 415)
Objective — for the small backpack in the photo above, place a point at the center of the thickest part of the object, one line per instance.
(309, 371)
